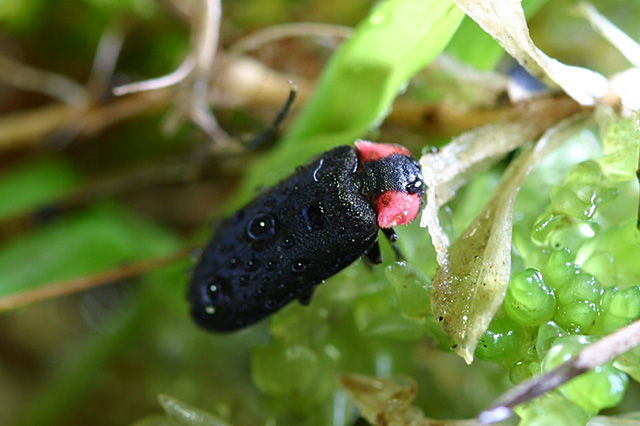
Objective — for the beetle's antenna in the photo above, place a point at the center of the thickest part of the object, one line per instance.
(267, 134)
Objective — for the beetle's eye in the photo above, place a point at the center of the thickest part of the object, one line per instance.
(416, 186)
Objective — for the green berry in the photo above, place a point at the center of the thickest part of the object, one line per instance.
(602, 265)
(578, 299)
(523, 370)
(552, 409)
(412, 288)
(618, 308)
(565, 201)
(629, 362)
(578, 317)
(547, 335)
(376, 315)
(580, 287)
(593, 391)
(503, 343)
(559, 268)
(529, 301)
(278, 369)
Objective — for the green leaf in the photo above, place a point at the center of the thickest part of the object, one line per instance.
(361, 81)
(472, 280)
(94, 240)
(35, 184)
(477, 48)
(621, 144)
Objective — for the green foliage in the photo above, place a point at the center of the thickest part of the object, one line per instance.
(575, 268)
(356, 89)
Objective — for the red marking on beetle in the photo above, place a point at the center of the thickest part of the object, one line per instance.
(371, 151)
(397, 208)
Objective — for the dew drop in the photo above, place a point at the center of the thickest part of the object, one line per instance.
(195, 254)
(213, 288)
(251, 265)
(299, 265)
(233, 262)
(287, 242)
(261, 227)
(210, 309)
(270, 265)
(269, 304)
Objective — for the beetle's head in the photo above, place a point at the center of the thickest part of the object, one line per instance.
(393, 181)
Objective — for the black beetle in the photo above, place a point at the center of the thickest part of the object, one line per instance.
(303, 230)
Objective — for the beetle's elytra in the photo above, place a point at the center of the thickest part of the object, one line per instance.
(308, 227)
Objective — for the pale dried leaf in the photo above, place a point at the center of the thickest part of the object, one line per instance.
(625, 44)
(625, 85)
(470, 285)
(387, 402)
(504, 20)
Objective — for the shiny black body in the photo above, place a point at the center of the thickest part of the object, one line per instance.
(282, 244)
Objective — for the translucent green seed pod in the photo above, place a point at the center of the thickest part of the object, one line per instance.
(602, 265)
(578, 317)
(531, 254)
(559, 268)
(565, 201)
(547, 335)
(579, 287)
(279, 369)
(412, 288)
(552, 409)
(629, 362)
(503, 343)
(578, 300)
(593, 391)
(377, 315)
(529, 301)
(618, 308)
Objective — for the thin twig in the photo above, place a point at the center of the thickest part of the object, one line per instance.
(593, 355)
(117, 185)
(32, 79)
(105, 60)
(299, 29)
(168, 80)
(84, 283)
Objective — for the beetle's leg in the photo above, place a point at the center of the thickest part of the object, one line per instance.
(305, 298)
(393, 237)
(373, 254)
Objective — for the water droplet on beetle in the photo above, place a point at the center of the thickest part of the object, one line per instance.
(213, 288)
(270, 265)
(287, 242)
(195, 254)
(261, 227)
(269, 304)
(210, 309)
(317, 169)
(299, 266)
(233, 262)
(251, 265)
